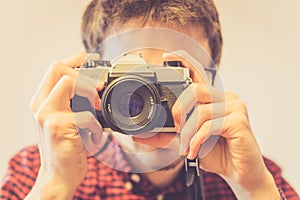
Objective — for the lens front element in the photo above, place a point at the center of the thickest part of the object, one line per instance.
(130, 105)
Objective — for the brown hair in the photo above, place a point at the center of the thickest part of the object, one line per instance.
(101, 15)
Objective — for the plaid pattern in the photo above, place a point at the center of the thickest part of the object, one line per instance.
(103, 182)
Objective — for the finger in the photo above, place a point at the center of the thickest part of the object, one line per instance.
(230, 127)
(216, 110)
(196, 69)
(86, 87)
(61, 94)
(64, 90)
(195, 93)
(203, 113)
(87, 121)
(74, 60)
(55, 71)
(187, 132)
(199, 116)
(100, 86)
(209, 128)
(230, 96)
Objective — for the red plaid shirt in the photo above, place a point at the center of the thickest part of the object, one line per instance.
(103, 182)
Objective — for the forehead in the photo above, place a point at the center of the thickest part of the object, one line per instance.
(195, 32)
(177, 38)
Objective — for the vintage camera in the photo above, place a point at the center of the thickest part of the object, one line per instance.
(138, 97)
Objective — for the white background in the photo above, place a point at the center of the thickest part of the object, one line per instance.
(260, 63)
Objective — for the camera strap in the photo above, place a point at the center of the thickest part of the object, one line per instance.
(194, 180)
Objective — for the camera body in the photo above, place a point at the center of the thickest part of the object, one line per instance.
(138, 97)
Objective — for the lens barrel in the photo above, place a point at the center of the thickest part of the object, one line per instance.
(130, 104)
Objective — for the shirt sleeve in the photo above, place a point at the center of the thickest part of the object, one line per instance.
(285, 189)
(21, 174)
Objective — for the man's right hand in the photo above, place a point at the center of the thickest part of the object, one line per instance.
(63, 156)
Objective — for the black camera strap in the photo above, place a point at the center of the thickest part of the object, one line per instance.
(194, 180)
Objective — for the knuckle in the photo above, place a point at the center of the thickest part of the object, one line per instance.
(88, 116)
(176, 111)
(57, 69)
(70, 82)
(53, 125)
(231, 95)
(195, 87)
(240, 106)
(33, 105)
(91, 95)
(206, 111)
(202, 113)
(82, 119)
(39, 117)
(196, 90)
(243, 107)
(67, 78)
(242, 120)
(36, 104)
(206, 126)
(55, 66)
(48, 122)
(201, 92)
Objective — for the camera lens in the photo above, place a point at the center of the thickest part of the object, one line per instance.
(131, 105)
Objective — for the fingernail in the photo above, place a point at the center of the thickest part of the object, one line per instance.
(182, 150)
(98, 105)
(100, 85)
(191, 157)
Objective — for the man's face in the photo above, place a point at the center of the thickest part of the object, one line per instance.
(155, 56)
(161, 145)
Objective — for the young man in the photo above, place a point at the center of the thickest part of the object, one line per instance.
(62, 168)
